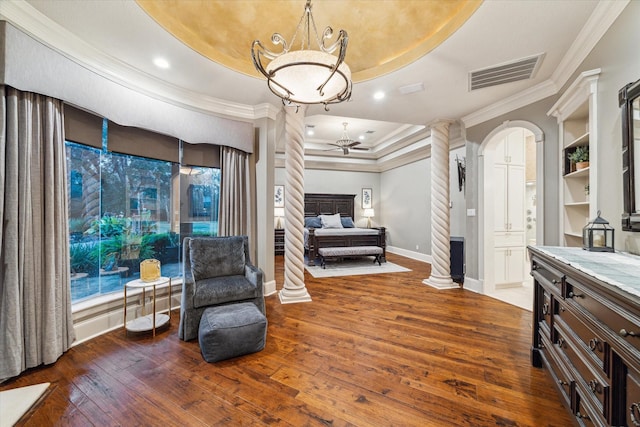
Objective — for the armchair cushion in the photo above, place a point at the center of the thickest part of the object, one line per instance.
(216, 258)
(223, 289)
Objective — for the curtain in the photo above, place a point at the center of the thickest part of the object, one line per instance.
(235, 197)
(36, 325)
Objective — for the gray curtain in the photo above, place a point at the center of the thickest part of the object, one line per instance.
(235, 205)
(36, 325)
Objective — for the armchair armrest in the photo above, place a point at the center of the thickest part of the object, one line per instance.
(255, 276)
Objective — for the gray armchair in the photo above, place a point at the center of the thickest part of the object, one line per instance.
(216, 271)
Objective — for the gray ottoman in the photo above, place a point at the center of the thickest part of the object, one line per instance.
(232, 330)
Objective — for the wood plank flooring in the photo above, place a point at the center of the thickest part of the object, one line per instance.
(376, 350)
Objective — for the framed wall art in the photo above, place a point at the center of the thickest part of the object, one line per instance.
(366, 198)
(278, 196)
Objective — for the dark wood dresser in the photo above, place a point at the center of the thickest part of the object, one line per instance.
(279, 241)
(586, 331)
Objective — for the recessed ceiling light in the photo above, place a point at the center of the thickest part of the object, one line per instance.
(361, 137)
(310, 132)
(161, 63)
(378, 95)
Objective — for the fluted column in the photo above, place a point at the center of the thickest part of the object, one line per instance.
(294, 289)
(440, 232)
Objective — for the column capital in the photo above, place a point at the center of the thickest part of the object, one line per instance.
(439, 123)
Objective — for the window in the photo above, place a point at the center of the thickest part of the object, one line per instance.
(124, 209)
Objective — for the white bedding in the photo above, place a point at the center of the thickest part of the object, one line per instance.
(339, 232)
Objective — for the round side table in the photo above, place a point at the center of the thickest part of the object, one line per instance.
(152, 321)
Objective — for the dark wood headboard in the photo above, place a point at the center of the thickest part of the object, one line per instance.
(327, 204)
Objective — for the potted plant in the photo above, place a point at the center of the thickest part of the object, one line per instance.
(580, 157)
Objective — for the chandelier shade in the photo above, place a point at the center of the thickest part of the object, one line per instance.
(306, 76)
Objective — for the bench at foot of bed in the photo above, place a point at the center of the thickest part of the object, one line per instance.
(349, 251)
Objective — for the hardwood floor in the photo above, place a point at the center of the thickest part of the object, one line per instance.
(376, 350)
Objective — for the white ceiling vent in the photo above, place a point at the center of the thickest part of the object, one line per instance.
(522, 69)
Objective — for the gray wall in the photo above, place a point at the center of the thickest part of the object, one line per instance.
(406, 192)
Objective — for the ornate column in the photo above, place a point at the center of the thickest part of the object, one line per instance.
(440, 233)
(294, 289)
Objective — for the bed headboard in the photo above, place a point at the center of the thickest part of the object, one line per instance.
(326, 204)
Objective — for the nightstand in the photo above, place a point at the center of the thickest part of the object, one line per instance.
(279, 241)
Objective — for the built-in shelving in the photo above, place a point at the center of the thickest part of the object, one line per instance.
(575, 112)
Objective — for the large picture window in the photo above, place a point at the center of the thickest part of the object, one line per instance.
(125, 208)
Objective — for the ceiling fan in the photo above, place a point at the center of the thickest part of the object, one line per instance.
(345, 143)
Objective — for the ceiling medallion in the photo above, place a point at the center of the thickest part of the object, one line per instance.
(306, 76)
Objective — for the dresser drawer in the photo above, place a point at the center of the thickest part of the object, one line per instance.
(585, 412)
(591, 377)
(633, 400)
(558, 370)
(622, 322)
(547, 275)
(591, 341)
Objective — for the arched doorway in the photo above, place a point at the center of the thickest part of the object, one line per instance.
(511, 209)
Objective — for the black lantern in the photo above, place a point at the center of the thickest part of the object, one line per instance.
(597, 236)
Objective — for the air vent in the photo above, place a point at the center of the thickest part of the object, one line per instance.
(413, 88)
(370, 131)
(521, 69)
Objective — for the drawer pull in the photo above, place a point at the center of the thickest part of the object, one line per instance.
(583, 416)
(561, 342)
(595, 344)
(555, 281)
(625, 333)
(634, 413)
(595, 386)
(572, 295)
(562, 309)
(545, 309)
(535, 267)
(561, 382)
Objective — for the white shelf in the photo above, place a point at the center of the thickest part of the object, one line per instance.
(581, 140)
(577, 204)
(145, 323)
(582, 173)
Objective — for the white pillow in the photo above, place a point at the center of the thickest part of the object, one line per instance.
(331, 221)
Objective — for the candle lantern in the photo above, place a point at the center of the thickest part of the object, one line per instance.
(597, 236)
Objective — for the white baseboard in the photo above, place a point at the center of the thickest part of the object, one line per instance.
(410, 254)
(270, 288)
(473, 285)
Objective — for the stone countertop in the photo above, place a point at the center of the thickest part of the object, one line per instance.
(619, 269)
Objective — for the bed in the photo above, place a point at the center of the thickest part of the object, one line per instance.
(329, 204)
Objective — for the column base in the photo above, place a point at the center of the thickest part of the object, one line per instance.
(288, 296)
(441, 282)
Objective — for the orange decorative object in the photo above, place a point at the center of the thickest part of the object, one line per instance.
(149, 270)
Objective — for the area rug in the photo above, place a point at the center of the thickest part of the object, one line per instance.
(353, 268)
(14, 403)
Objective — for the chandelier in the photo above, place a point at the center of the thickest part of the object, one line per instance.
(306, 76)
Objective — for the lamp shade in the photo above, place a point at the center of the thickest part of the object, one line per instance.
(369, 213)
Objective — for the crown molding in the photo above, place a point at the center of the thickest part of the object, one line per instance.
(579, 91)
(29, 20)
(518, 100)
(603, 16)
(597, 25)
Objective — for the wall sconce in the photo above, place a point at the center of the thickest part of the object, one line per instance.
(278, 213)
(369, 213)
(597, 236)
